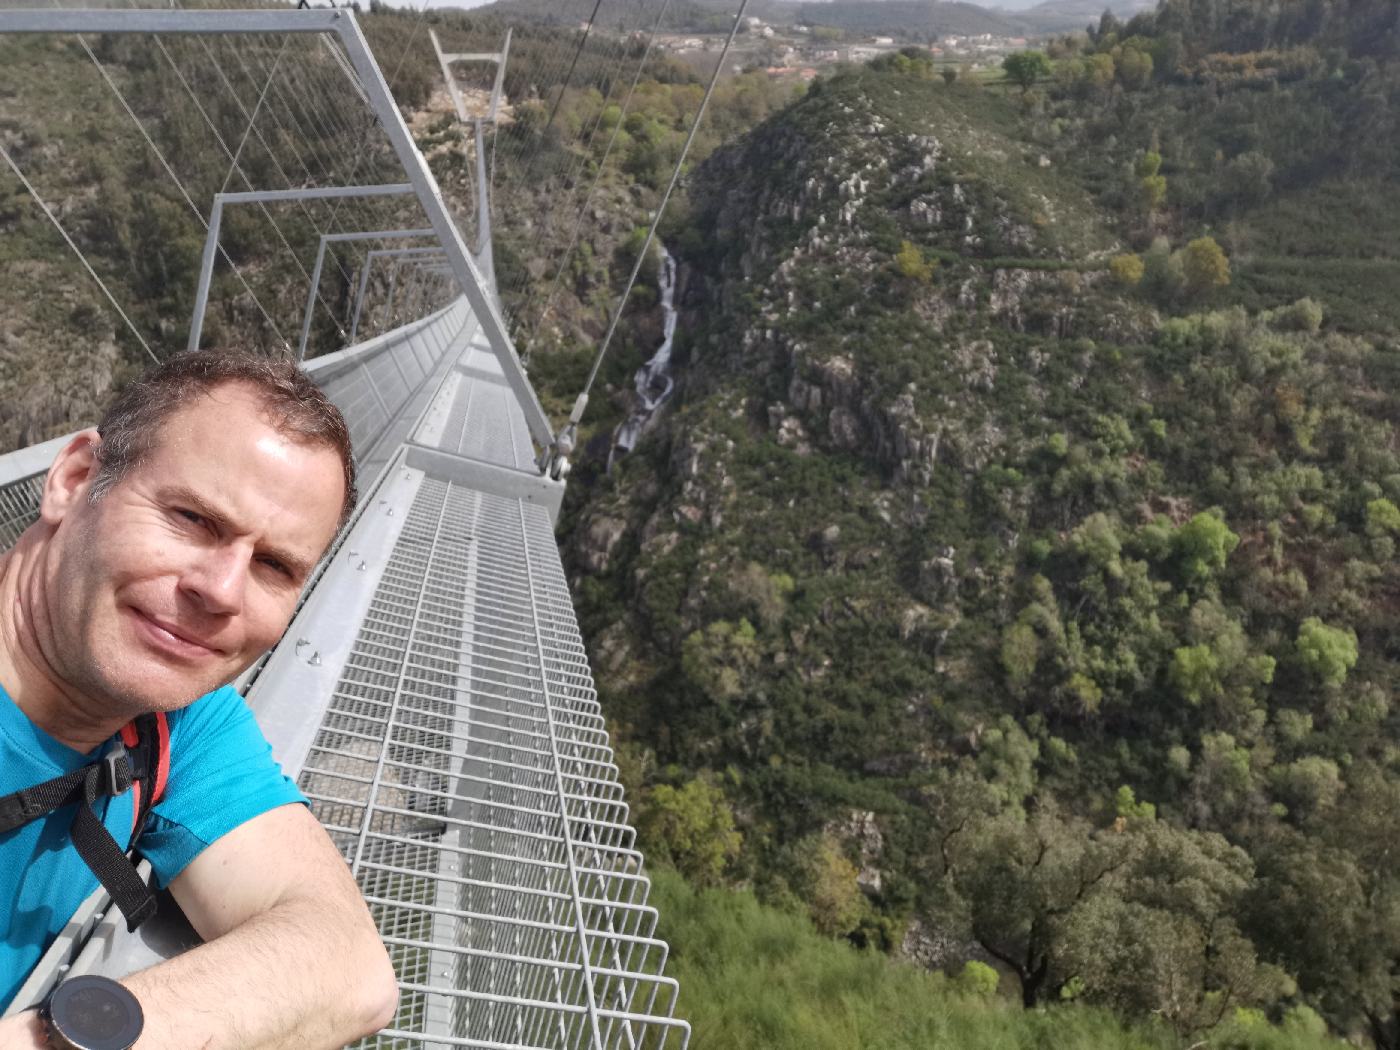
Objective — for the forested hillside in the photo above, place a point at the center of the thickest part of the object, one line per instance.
(1013, 580)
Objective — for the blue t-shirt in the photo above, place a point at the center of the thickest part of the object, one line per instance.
(222, 774)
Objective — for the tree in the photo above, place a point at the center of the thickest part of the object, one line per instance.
(1018, 881)
(1150, 163)
(762, 593)
(1204, 267)
(1382, 518)
(1248, 179)
(1202, 546)
(1349, 964)
(1099, 71)
(1307, 785)
(1162, 275)
(1026, 67)
(717, 658)
(1020, 650)
(1161, 936)
(1152, 185)
(692, 827)
(825, 880)
(1134, 68)
(1152, 190)
(1217, 668)
(1327, 652)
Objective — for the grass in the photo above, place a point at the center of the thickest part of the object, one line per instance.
(755, 977)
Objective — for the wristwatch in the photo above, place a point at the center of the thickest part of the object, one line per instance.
(92, 1013)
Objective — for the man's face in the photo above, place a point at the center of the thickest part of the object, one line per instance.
(185, 571)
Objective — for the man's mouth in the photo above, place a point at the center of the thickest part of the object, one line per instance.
(172, 639)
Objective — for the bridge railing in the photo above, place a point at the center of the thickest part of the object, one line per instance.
(370, 383)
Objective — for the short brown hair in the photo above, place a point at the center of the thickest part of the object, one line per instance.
(294, 404)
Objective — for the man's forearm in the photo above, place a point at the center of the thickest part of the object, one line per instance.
(285, 979)
(293, 977)
(291, 956)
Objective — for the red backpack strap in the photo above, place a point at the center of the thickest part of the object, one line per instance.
(162, 756)
(147, 740)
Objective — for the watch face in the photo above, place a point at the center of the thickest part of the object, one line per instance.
(95, 1013)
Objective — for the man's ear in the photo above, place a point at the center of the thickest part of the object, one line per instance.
(70, 477)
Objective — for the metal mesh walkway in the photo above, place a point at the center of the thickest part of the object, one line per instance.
(473, 415)
(464, 770)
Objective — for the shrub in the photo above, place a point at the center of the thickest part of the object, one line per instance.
(1328, 652)
(1382, 518)
(910, 262)
(1204, 267)
(1127, 269)
(977, 980)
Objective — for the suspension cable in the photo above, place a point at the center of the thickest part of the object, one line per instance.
(253, 119)
(178, 184)
(582, 402)
(569, 76)
(574, 178)
(234, 156)
(360, 154)
(597, 178)
(522, 295)
(76, 250)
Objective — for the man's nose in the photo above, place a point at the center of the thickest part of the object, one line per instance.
(217, 578)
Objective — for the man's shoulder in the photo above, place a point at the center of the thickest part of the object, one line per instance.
(218, 727)
(222, 774)
(207, 711)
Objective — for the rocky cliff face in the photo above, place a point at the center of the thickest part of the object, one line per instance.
(798, 320)
(807, 224)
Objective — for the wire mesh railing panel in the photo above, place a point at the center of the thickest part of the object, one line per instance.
(19, 507)
(463, 769)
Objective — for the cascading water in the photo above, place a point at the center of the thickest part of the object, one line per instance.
(653, 379)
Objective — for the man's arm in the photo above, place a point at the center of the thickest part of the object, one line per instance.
(292, 959)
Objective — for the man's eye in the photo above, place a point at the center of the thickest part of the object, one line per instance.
(190, 516)
(276, 566)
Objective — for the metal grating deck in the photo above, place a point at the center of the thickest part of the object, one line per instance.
(464, 770)
(474, 414)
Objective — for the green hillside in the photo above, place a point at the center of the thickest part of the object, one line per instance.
(1012, 579)
(914, 20)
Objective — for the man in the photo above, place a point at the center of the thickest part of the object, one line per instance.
(172, 545)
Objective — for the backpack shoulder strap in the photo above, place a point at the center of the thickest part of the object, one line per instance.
(20, 807)
(139, 761)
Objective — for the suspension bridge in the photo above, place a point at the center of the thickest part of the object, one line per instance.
(432, 696)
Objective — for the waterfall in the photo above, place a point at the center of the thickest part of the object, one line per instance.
(653, 380)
